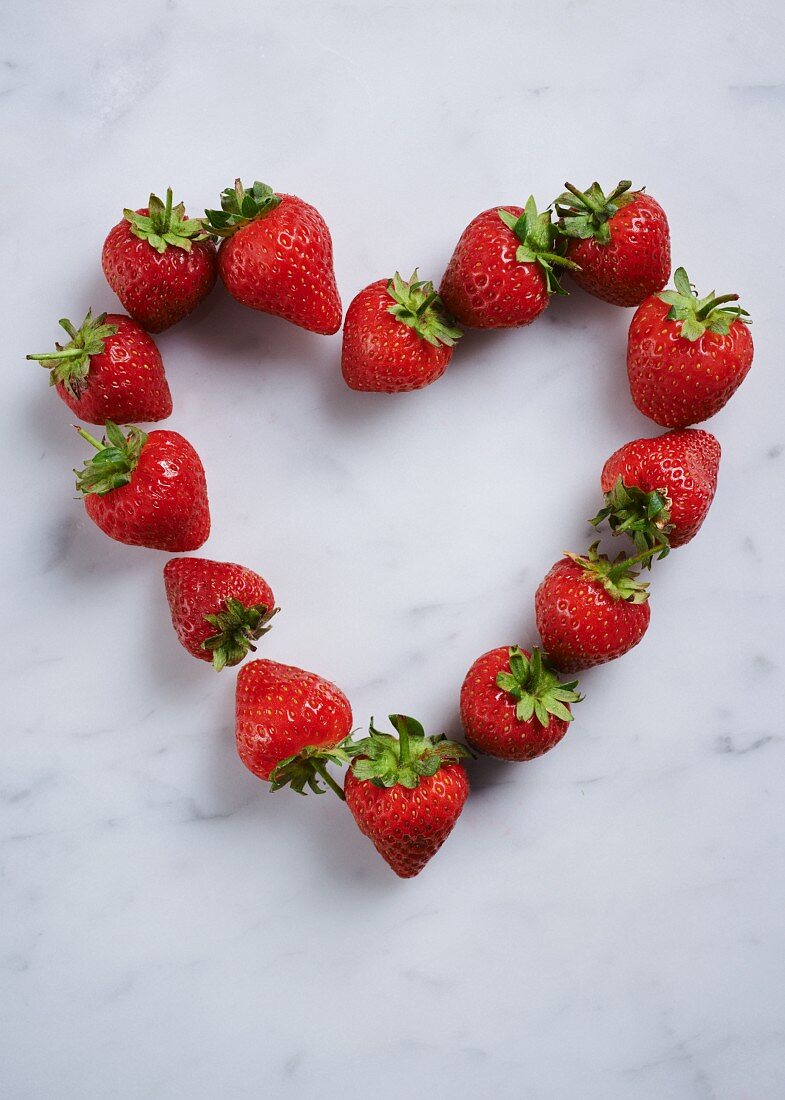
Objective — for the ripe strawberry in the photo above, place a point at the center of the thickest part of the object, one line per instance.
(290, 724)
(591, 610)
(407, 793)
(219, 609)
(502, 271)
(513, 706)
(396, 336)
(659, 490)
(146, 490)
(277, 256)
(621, 243)
(159, 263)
(110, 370)
(687, 356)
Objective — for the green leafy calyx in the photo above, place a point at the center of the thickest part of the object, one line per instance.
(115, 461)
(417, 304)
(237, 627)
(585, 214)
(699, 315)
(308, 768)
(239, 207)
(165, 225)
(645, 517)
(69, 365)
(536, 689)
(385, 760)
(538, 242)
(618, 577)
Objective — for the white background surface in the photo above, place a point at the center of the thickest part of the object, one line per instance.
(605, 922)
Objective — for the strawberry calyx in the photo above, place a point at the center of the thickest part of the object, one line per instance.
(165, 225)
(699, 315)
(418, 305)
(404, 760)
(618, 577)
(115, 461)
(585, 214)
(69, 365)
(308, 768)
(237, 627)
(239, 207)
(645, 517)
(538, 243)
(537, 690)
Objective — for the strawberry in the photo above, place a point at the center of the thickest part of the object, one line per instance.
(502, 271)
(407, 793)
(277, 256)
(290, 724)
(687, 356)
(396, 336)
(109, 370)
(513, 706)
(621, 243)
(146, 490)
(159, 263)
(659, 490)
(591, 610)
(219, 609)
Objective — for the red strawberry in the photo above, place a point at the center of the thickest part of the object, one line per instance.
(621, 243)
(218, 609)
(687, 356)
(290, 724)
(146, 490)
(277, 256)
(590, 610)
(513, 706)
(407, 793)
(396, 336)
(159, 263)
(659, 490)
(110, 370)
(502, 270)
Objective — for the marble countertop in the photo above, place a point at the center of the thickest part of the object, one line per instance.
(605, 922)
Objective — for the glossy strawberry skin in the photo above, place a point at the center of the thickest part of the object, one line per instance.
(382, 354)
(636, 262)
(157, 289)
(164, 506)
(484, 285)
(282, 263)
(408, 827)
(580, 624)
(675, 381)
(682, 465)
(126, 381)
(281, 709)
(489, 719)
(196, 587)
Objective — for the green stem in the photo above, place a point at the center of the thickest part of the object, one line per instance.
(321, 768)
(404, 754)
(623, 566)
(587, 202)
(703, 313)
(428, 302)
(69, 353)
(168, 210)
(89, 438)
(555, 258)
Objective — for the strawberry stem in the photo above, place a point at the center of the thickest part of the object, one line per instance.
(89, 438)
(703, 313)
(321, 768)
(404, 754)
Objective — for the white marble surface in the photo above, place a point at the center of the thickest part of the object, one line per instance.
(604, 923)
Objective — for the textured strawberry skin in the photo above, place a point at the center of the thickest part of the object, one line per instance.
(408, 827)
(282, 263)
(381, 353)
(681, 464)
(489, 719)
(675, 381)
(126, 381)
(580, 624)
(484, 285)
(196, 587)
(636, 262)
(281, 709)
(164, 506)
(157, 289)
